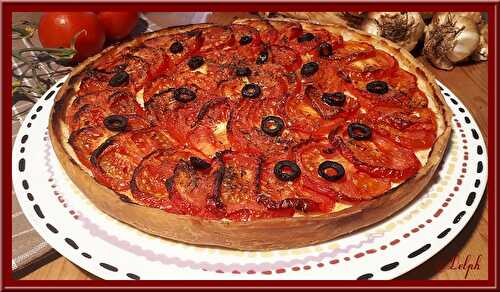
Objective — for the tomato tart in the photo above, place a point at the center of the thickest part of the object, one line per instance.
(257, 135)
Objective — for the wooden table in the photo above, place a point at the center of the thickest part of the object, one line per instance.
(470, 83)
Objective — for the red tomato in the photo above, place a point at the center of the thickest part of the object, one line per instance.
(57, 29)
(118, 24)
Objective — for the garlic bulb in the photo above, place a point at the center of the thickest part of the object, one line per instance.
(450, 39)
(474, 16)
(352, 19)
(403, 28)
(481, 52)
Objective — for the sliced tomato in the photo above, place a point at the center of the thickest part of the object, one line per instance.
(114, 161)
(138, 70)
(238, 189)
(97, 99)
(208, 133)
(327, 111)
(87, 115)
(286, 57)
(413, 129)
(276, 194)
(268, 33)
(379, 157)
(196, 192)
(301, 115)
(123, 103)
(91, 109)
(288, 31)
(240, 31)
(156, 58)
(85, 140)
(354, 185)
(375, 67)
(350, 51)
(310, 46)
(95, 81)
(216, 37)
(244, 128)
(149, 139)
(149, 181)
(271, 78)
(190, 43)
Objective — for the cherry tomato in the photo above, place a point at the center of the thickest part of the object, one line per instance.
(57, 29)
(117, 24)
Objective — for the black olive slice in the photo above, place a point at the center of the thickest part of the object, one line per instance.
(245, 40)
(309, 69)
(333, 99)
(116, 123)
(196, 62)
(272, 125)
(199, 163)
(251, 90)
(262, 58)
(325, 50)
(337, 167)
(359, 131)
(118, 79)
(243, 71)
(184, 94)
(286, 170)
(378, 87)
(176, 47)
(305, 37)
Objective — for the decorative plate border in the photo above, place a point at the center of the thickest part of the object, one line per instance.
(426, 250)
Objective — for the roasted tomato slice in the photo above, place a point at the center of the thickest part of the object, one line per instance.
(91, 109)
(331, 104)
(114, 161)
(371, 68)
(85, 140)
(413, 129)
(288, 31)
(87, 115)
(178, 46)
(378, 156)
(208, 133)
(245, 130)
(174, 116)
(301, 115)
(96, 81)
(149, 178)
(271, 79)
(123, 103)
(238, 189)
(268, 33)
(276, 194)
(216, 37)
(196, 192)
(96, 99)
(155, 173)
(350, 51)
(286, 57)
(309, 41)
(156, 58)
(353, 185)
(245, 37)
